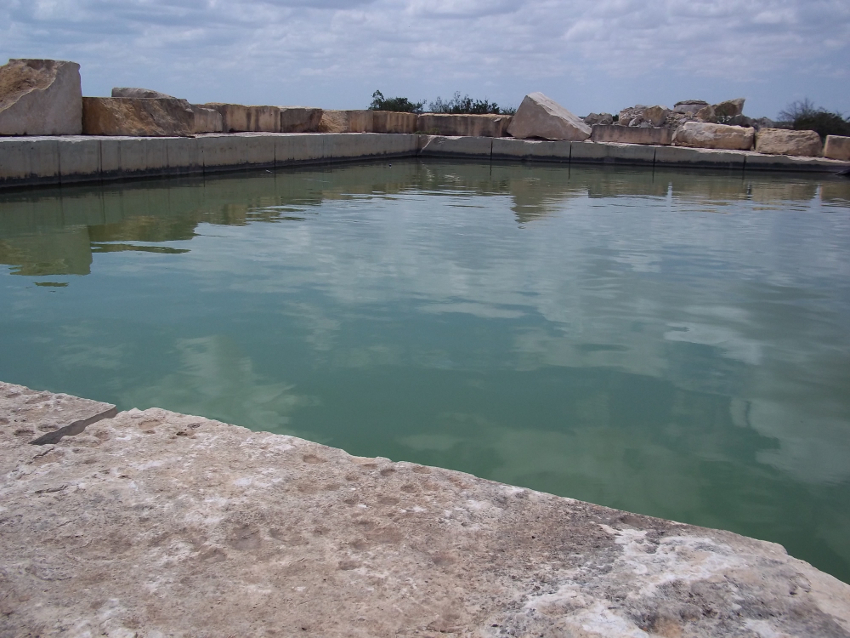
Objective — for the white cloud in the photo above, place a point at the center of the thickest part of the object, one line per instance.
(588, 54)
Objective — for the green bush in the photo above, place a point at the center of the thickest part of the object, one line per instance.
(399, 104)
(466, 105)
(805, 116)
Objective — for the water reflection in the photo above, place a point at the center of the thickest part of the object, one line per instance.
(664, 342)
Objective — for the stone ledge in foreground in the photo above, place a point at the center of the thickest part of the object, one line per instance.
(152, 523)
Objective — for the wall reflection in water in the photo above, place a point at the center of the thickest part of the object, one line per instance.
(665, 342)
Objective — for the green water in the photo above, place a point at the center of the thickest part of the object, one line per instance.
(675, 344)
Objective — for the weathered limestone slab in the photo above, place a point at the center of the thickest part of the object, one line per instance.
(463, 125)
(154, 523)
(456, 146)
(540, 116)
(79, 158)
(591, 152)
(206, 120)
(29, 160)
(238, 118)
(292, 149)
(162, 117)
(760, 161)
(729, 108)
(394, 122)
(682, 156)
(837, 147)
(40, 97)
(299, 119)
(347, 121)
(714, 136)
(689, 107)
(780, 141)
(631, 134)
(350, 146)
(510, 148)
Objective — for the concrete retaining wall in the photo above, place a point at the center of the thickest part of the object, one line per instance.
(69, 159)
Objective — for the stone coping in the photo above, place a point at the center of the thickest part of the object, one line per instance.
(152, 523)
(27, 161)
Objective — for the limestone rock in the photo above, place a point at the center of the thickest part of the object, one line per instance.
(464, 125)
(780, 141)
(140, 93)
(394, 122)
(729, 108)
(689, 106)
(542, 117)
(706, 114)
(238, 118)
(152, 523)
(655, 115)
(299, 119)
(351, 121)
(716, 136)
(137, 117)
(603, 119)
(40, 97)
(207, 120)
(837, 147)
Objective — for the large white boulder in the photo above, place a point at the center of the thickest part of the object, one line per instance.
(40, 97)
(138, 117)
(837, 147)
(782, 141)
(719, 136)
(542, 117)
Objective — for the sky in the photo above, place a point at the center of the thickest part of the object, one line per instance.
(588, 55)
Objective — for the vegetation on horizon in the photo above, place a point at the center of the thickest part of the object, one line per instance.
(458, 104)
(805, 116)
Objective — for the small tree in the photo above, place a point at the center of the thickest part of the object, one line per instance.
(400, 104)
(466, 105)
(805, 116)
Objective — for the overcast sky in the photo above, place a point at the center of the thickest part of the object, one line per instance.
(589, 55)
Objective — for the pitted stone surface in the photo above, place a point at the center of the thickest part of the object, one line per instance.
(153, 523)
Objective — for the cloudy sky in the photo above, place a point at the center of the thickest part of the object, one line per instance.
(590, 55)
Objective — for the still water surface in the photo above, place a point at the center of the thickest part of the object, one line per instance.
(668, 343)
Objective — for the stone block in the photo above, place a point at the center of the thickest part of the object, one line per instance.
(40, 97)
(184, 155)
(79, 158)
(347, 146)
(394, 122)
(222, 152)
(685, 157)
(763, 162)
(781, 141)
(551, 150)
(837, 147)
(540, 116)
(355, 121)
(137, 117)
(299, 119)
(659, 136)
(438, 145)
(463, 125)
(714, 136)
(592, 152)
(207, 120)
(31, 160)
(238, 118)
(729, 108)
(258, 150)
(295, 148)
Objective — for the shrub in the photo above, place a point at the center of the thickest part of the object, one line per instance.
(399, 104)
(805, 116)
(466, 105)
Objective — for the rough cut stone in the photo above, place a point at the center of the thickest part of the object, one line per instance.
(716, 136)
(541, 117)
(631, 134)
(166, 117)
(463, 125)
(394, 122)
(598, 118)
(352, 121)
(40, 97)
(238, 118)
(299, 119)
(154, 523)
(837, 147)
(729, 108)
(689, 106)
(780, 141)
(139, 93)
(655, 115)
(706, 114)
(207, 120)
